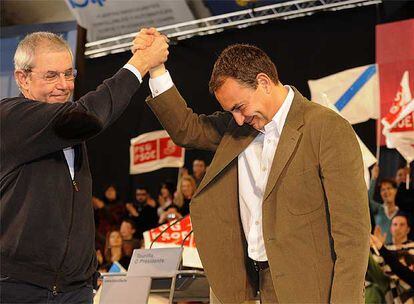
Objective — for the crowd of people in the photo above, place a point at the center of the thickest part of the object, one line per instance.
(120, 224)
(47, 241)
(390, 275)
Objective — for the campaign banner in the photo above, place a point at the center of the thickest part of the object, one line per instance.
(398, 123)
(395, 59)
(353, 92)
(154, 150)
(179, 234)
(109, 18)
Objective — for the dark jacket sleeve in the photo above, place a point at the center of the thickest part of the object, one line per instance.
(403, 272)
(31, 129)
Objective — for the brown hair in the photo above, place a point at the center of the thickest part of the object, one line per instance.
(388, 181)
(242, 62)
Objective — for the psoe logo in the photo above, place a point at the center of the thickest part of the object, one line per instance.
(85, 3)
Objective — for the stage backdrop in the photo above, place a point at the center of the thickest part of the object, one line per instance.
(303, 48)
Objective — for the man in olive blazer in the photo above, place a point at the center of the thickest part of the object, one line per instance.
(315, 215)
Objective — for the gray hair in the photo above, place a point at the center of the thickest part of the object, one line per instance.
(25, 52)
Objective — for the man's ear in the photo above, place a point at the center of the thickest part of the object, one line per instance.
(264, 81)
(22, 79)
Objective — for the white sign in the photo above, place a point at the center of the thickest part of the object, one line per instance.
(154, 150)
(125, 290)
(110, 18)
(155, 263)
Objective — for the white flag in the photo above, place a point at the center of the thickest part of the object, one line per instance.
(354, 92)
(367, 157)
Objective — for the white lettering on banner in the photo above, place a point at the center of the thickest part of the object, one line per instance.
(154, 150)
(406, 122)
(109, 18)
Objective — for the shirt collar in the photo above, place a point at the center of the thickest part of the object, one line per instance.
(278, 121)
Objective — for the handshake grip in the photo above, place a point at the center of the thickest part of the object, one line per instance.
(150, 52)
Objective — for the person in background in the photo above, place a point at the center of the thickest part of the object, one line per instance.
(47, 225)
(185, 191)
(383, 213)
(397, 258)
(181, 206)
(127, 231)
(142, 211)
(114, 251)
(165, 197)
(405, 196)
(199, 170)
(110, 211)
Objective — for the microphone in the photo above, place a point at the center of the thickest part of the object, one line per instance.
(162, 232)
(186, 237)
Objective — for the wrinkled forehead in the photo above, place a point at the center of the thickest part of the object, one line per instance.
(52, 59)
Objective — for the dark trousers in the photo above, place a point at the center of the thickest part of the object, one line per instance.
(262, 281)
(15, 291)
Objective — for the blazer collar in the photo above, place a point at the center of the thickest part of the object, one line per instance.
(239, 138)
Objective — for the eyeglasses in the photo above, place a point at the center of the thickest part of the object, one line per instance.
(53, 76)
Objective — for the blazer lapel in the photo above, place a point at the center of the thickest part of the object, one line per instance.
(232, 145)
(288, 141)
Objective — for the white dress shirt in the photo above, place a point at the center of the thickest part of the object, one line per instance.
(254, 165)
(70, 152)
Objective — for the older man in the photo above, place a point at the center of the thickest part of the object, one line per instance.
(287, 178)
(47, 227)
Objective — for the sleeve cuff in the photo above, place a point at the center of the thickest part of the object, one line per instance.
(134, 70)
(160, 84)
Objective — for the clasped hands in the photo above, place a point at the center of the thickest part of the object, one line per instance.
(150, 51)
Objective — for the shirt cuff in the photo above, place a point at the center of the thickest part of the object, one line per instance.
(160, 84)
(134, 70)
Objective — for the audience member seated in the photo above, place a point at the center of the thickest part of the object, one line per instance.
(383, 213)
(129, 242)
(396, 258)
(113, 252)
(143, 212)
(199, 170)
(165, 197)
(109, 212)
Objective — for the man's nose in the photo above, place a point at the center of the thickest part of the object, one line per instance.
(62, 82)
(239, 118)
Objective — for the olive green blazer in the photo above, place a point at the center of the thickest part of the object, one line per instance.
(315, 211)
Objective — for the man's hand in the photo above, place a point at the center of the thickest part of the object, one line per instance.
(375, 172)
(378, 238)
(131, 209)
(144, 39)
(150, 50)
(97, 203)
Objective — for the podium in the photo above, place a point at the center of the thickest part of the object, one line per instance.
(190, 285)
(155, 272)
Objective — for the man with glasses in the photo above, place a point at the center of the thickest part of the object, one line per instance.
(47, 226)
